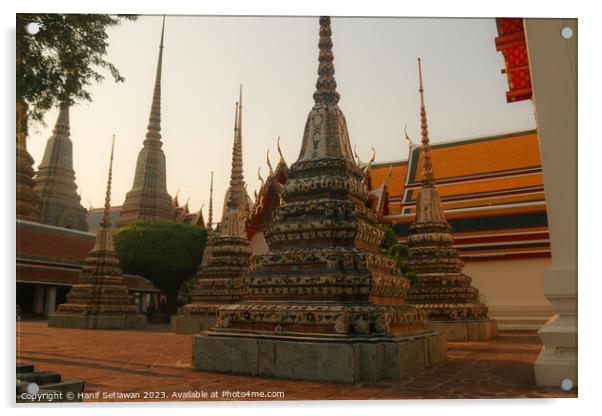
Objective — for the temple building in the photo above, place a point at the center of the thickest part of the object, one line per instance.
(542, 65)
(55, 180)
(322, 303)
(100, 299)
(179, 213)
(226, 256)
(439, 287)
(50, 261)
(148, 199)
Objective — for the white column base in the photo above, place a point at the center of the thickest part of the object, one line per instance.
(558, 359)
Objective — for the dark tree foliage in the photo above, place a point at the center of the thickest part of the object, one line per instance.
(61, 61)
(165, 252)
(392, 247)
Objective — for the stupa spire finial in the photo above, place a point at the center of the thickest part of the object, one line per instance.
(62, 126)
(236, 168)
(106, 219)
(427, 166)
(154, 122)
(210, 217)
(240, 110)
(326, 87)
(236, 176)
(162, 32)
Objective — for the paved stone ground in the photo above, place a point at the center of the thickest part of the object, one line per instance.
(156, 360)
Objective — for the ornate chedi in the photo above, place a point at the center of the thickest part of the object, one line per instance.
(60, 204)
(27, 200)
(148, 199)
(226, 256)
(322, 304)
(100, 299)
(440, 288)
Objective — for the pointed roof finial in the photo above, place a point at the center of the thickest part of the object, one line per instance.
(427, 167)
(267, 158)
(326, 86)
(282, 161)
(359, 161)
(411, 143)
(175, 202)
(106, 219)
(369, 164)
(210, 217)
(259, 176)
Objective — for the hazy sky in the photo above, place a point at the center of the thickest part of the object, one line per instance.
(206, 58)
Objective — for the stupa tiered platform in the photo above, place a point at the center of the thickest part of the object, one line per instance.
(217, 283)
(440, 288)
(322, 304)
(100, 299)
(226, 256)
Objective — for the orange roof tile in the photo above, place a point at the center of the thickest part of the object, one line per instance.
(485, 186)
(396, 182)
(480, 156)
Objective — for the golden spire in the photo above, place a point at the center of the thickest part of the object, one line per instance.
(280, 152)
(210, 217)
(106, 219)
(326, 86)
(427, 167)
(269, 164)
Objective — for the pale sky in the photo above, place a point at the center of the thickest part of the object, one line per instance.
(275, 58)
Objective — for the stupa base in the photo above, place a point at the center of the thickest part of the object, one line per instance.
(192, 324)
(342, 359)
(475, 330)
(97, 321)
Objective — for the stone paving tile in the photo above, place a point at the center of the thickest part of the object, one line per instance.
(157, 360)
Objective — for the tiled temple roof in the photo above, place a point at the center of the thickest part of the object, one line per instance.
(491, 185)
(54, 255)
(180, 214)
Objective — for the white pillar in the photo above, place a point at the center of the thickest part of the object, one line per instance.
(38, 299)
(553, 64)
(50, 300)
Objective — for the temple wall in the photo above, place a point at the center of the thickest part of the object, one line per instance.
(513, 290)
